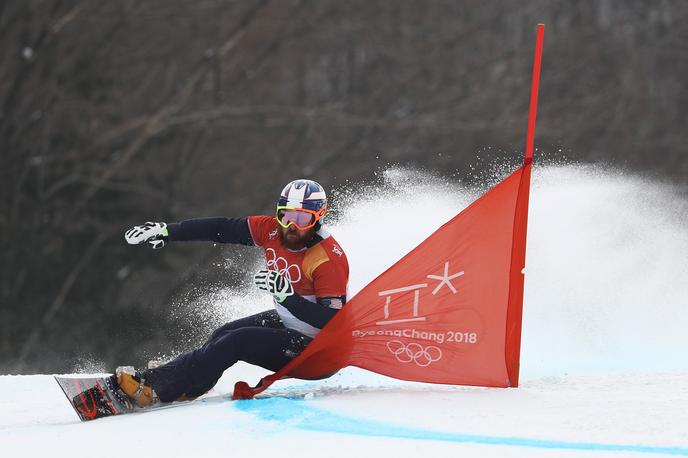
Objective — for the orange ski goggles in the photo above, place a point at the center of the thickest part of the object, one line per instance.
(302, 218)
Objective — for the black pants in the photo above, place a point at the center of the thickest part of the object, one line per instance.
(259, 339)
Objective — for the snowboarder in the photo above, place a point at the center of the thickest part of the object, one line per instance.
(307, 275)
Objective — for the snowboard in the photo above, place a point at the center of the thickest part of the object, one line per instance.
(96, 397)
(99, 397)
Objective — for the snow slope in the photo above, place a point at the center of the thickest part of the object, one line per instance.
(604, 363)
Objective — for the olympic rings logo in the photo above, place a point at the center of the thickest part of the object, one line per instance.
(290, 271)
(422, 356)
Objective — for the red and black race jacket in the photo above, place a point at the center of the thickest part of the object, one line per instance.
(319, 273)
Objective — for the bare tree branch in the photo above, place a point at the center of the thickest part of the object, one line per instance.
(156, 123)
(287, 115)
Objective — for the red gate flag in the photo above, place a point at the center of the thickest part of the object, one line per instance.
(447, 312)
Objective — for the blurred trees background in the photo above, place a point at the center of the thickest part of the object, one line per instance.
(116, 112)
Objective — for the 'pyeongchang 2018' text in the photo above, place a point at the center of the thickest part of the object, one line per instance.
(437, 337)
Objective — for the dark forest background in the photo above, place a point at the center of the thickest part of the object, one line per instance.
(117, 112)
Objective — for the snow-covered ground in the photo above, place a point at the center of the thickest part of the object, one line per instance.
(604, 359)
(357, 414)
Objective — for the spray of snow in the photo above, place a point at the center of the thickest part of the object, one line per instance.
(607, 266)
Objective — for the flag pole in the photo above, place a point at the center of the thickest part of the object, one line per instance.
(518, 249)
(534, 89)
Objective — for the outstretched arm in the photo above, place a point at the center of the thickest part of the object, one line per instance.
(218, 229)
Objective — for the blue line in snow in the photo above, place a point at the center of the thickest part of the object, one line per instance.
(298, 413)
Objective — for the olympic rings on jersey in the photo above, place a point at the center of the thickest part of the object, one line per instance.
(291, 272)
(422, 356)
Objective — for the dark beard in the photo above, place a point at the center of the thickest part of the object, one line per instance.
(297, 244)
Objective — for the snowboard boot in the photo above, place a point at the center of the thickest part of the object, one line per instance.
(134, 385)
